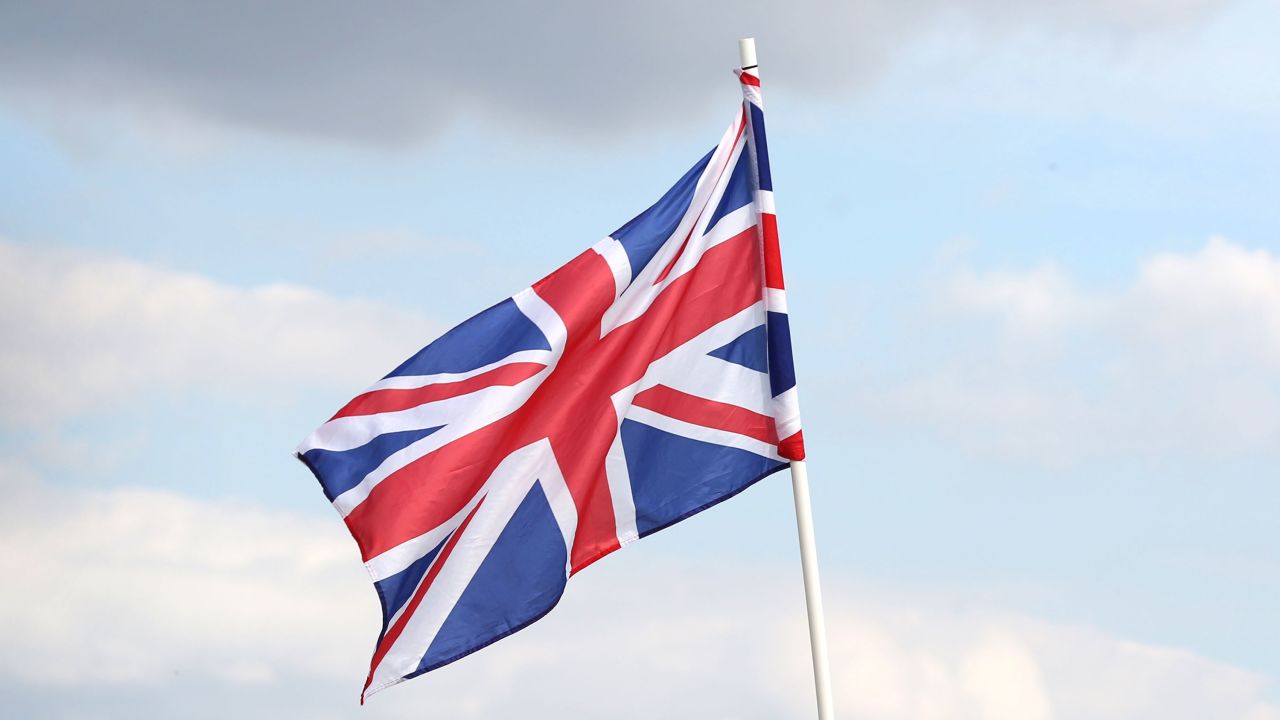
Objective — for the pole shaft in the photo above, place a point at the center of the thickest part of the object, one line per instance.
(804, 527)
(812, 589)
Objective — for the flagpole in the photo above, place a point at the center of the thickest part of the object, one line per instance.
(812, 589)
(804, 528)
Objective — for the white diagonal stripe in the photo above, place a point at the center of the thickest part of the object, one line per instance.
(642, 291)
(715, 436)
(507, 487)
(412, 382)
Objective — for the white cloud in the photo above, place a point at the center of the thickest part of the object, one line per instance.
(149, 595)
(1184, 359)
(127, 586)
(1033, 302)
(83, 330)
(1227, 297)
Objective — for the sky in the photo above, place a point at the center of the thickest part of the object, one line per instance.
(1033, 259)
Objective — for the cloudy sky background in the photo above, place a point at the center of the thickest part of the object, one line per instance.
(1034, 259)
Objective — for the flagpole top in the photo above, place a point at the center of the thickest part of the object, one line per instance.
(747, 53)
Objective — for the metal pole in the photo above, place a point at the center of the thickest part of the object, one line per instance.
(804, 525)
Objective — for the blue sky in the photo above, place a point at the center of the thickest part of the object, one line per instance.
(1034, 268)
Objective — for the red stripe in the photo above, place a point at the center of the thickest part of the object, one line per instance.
(393, 632)
(708, 413)
(792, 448)
(748, 79)
(772, 251)
(667, 270)
(380, 401)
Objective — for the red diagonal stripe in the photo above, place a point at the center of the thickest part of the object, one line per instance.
(429, 490)
(394, 631)
(380, 401)
(667, 270)
(708, 413)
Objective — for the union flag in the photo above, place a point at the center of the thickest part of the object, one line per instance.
(646, 380)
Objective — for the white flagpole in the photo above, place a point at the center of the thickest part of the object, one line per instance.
(804, 527)
(812, 589)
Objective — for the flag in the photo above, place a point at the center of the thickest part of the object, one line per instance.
(646, 380)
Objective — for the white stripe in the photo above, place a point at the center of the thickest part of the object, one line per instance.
(508, 486)
(438, 536)
(764, 202)
(616, 255)
(624, 504)
(752, 94)
(618, 474)
(545, 317)
(775, 299)
(558, 498)
(412, 382)
(721, 381)
(641, 293)
(715, 436)
(786, 413)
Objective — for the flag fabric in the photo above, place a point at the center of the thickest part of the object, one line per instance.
(646, 380)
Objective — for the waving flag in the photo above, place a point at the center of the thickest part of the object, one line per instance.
(645, 381)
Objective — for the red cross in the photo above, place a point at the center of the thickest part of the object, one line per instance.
(573, 407)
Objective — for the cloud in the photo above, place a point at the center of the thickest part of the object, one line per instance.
(1184, 359)
(125, 586)
(124, 598)
(396, 73)
(83, 330)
